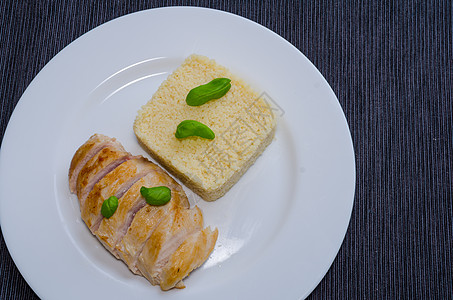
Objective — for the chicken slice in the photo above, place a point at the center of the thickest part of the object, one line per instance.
(192, 253)
(84, 153)
(143, 225)
(97, 167)
(115, 183)
(165, 239)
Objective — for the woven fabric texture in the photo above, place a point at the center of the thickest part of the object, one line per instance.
(390, 65)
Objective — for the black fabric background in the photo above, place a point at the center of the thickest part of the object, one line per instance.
(390, 65)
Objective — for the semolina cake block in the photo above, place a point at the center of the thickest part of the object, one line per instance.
(243, 122)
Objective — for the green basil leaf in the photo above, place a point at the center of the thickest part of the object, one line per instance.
(214, 89)
(109, 206)
(193, 128)
(158, 195)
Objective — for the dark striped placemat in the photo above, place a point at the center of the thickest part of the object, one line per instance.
(390, 65)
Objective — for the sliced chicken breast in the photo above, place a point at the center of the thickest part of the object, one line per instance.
(149, 239)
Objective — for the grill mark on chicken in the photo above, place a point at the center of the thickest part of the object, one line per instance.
(145, 237)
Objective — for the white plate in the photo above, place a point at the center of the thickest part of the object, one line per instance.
(281, 225)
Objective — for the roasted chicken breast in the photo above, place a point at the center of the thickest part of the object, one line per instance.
(163, 243)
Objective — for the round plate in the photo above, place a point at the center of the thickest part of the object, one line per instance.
(280, 226)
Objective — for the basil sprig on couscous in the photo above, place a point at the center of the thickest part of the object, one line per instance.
(215, 89)
(189, 128)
